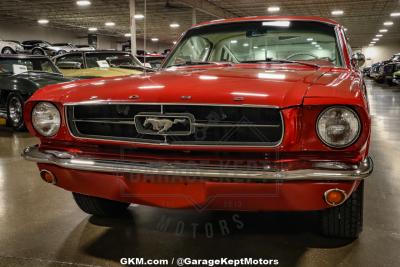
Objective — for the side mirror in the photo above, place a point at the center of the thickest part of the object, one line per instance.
(358, 60)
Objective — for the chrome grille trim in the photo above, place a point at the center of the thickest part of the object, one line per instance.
(177, 144)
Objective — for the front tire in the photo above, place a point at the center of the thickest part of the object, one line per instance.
(38, 52)
(7, 51)
(15, 112)
(99, 206)
(346, 220)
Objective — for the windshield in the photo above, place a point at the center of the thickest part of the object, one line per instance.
(260, 41)
(16, 66)
(113, 59)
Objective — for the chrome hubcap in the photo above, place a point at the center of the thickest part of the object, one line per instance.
(15, 110)
(7, 52)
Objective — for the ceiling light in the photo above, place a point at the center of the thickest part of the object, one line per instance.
(310, 39)
(139, 16)
(245, 44)
(395, 14)
(255, 47)
(174, 42)
(234, 41)
(43, 21)
(154, 39)
(314, 43)
(273, 9)
(93, 29)
(174, 25)
(383, 30)
(109, 24)
(127, 35)
(83, 3)
(375, 39)
(373, 43)
(388, 23)
(337, 12)
(379, 35)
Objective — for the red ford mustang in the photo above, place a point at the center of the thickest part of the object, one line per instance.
(254, 114)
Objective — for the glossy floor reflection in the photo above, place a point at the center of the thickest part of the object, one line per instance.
(41, 226)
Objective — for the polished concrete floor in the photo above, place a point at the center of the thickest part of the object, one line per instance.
(41, 226)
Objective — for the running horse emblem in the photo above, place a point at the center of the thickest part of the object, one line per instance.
(162, 126)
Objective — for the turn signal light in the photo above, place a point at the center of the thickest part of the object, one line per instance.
(335, 197)
(48, 177)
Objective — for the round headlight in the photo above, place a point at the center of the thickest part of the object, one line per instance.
(46, 119)
(338, 126)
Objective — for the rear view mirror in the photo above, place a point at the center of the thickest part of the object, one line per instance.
(69, 65)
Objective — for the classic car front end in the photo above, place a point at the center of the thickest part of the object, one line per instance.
(253, 114)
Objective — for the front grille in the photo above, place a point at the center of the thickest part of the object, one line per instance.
(204, 125)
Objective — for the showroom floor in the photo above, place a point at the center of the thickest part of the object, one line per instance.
(41, 226)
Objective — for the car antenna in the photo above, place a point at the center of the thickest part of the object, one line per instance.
(145, 36)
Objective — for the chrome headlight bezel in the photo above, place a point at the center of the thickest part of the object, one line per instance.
(53, 123)
(352, 140)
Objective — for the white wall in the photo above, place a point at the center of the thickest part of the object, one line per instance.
(378, 53)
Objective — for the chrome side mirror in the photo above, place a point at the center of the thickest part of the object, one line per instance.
(358, 60)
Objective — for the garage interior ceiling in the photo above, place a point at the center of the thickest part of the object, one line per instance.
(363, 18)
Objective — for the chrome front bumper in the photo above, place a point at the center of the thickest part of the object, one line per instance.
(314, 170)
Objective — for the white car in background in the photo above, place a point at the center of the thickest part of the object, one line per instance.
(10, 47)
(62, 48)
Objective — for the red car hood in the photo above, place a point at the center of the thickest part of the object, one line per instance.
(283, 86)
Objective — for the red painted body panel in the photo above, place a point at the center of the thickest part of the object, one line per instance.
(301, 92)
(202, 195)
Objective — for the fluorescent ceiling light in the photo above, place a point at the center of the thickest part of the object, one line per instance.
(109, 24)
(43, 21)
(93, 29)
(337, 12)
(83, 3)
(375, 39)
(373, 43)
(395, 14)
(139, 16)
(154, 39)
(174, 25)
(234, 41)
(383, 30)
(388, 23)
(278, 23)
(245, 44)
(379, 35)
(310, 39)
(314, 43)
(273, 9)
(127, 35)
(255, 47)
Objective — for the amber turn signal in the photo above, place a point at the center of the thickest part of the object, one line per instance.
(334, 197)
(48, 177)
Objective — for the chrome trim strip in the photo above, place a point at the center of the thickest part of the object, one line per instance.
(319, 170)
(127, 102)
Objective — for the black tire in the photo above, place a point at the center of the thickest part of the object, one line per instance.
(7, 51)
(38, 52)
(346, 220)
(99, 206)
(15, 112)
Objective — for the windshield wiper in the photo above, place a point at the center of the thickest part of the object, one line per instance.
(39, 71)
(270, 60)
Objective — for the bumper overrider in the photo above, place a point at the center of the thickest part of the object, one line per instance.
(293, 186)
(313, 170)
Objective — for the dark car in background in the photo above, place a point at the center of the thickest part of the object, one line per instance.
(20, 77)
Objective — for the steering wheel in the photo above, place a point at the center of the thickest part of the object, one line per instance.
(300, 54)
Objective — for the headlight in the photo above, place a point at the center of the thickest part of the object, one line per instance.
(338, 126)
(46, 119)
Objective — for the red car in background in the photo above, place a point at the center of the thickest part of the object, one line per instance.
(253, 114)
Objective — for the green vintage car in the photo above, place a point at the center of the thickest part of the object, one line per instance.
(396, 77)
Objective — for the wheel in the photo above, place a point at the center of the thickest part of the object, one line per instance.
(38, 52)
(15, 111)
(7, 51)
(346, 220)
(61, 52)
(99, 206)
